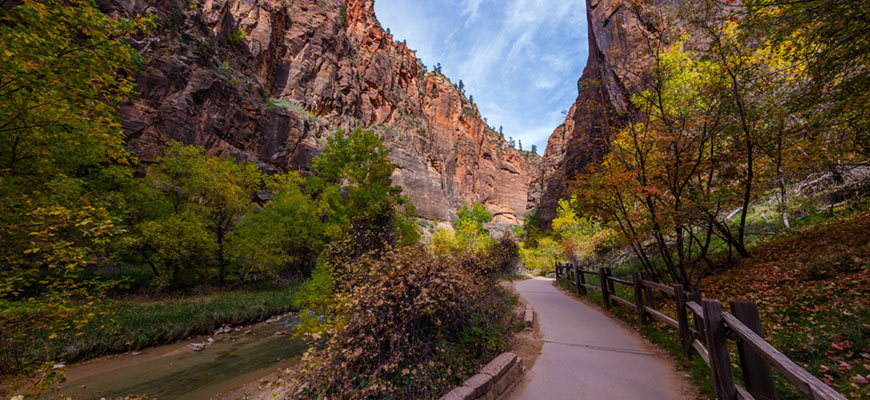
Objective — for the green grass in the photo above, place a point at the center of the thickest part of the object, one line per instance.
(132, 324)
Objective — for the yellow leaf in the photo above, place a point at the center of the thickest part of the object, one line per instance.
(52, 336)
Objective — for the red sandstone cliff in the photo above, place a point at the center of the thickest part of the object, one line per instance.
(618, 33)
(268, 80)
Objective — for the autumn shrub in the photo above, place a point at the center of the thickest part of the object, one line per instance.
(414, 326)
(505, 254)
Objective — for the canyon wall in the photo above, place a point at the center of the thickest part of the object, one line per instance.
(619, 33)
(269, 80)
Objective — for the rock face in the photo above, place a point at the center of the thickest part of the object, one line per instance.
(618, 30)
(269, 80)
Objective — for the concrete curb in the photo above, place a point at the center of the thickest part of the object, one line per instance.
(529, 317)
(495, 381)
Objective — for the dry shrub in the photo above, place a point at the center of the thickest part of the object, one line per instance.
(505, 255)
(414, 327)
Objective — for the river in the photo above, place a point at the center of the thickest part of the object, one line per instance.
(175, 371)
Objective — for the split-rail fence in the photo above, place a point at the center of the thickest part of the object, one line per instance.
(708, 334)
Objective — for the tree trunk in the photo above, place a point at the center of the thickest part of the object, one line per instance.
(783, 197)
(220, 255)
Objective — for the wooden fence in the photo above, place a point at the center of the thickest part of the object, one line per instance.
(708, 334)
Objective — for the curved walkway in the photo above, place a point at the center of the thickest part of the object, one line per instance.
(588, 355)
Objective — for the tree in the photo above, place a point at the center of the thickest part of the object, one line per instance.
(352, 181)
(183, 244)
(461, 86)
(470, 231)
(535, 148)
(500, 130)
(520, 145)
(657, 181)
(63, 71)
(824, 42)
(437, 68)
(287, 231)
(216, 190)
(511, 142)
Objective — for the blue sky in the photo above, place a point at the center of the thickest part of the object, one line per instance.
(520, 59)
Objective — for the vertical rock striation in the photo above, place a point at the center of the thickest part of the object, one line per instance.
(619, 31)
(269, 80)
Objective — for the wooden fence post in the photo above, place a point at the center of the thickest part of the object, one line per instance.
(756, 370)
(649, 296)
(583, 281)
(577, 275)
(638, 298)
(717, 345)
(602, 273)
(556, 268)
(609, 282)
(699, 324)
(683, 319)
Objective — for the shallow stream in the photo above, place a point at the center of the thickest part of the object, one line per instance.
(176, 371)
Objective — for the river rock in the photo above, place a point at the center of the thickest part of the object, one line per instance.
(195, 346)
(223, 329)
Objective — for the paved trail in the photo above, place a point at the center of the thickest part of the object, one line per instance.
(588, 355)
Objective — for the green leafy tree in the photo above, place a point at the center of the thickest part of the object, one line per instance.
(63, 70)
(352, 181)
(471, 234)
(184, 245)
(215, 190)
(287, 231)
(826, 40)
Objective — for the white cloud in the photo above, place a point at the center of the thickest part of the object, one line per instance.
(470, 9)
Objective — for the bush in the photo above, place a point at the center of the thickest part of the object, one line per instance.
(413, 326)
(505, 255)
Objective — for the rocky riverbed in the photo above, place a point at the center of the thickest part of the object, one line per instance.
(201, 367)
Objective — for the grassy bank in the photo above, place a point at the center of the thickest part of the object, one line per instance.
(134, 323)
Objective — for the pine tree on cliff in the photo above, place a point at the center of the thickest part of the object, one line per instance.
(437, 68)
(461, 86)
(535, 149)
(500, 130)
(511, 142)
(521, 145)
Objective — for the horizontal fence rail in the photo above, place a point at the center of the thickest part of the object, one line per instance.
(708, 334)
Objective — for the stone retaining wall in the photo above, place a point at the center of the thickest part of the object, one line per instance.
(495, 381)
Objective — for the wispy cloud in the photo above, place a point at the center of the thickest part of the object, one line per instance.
(470, 9)
(519, 58)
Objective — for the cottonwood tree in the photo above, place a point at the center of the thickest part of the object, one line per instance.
(63, 71)
(352, 182)
(215, 191)
(287, 232)
(660, 171)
